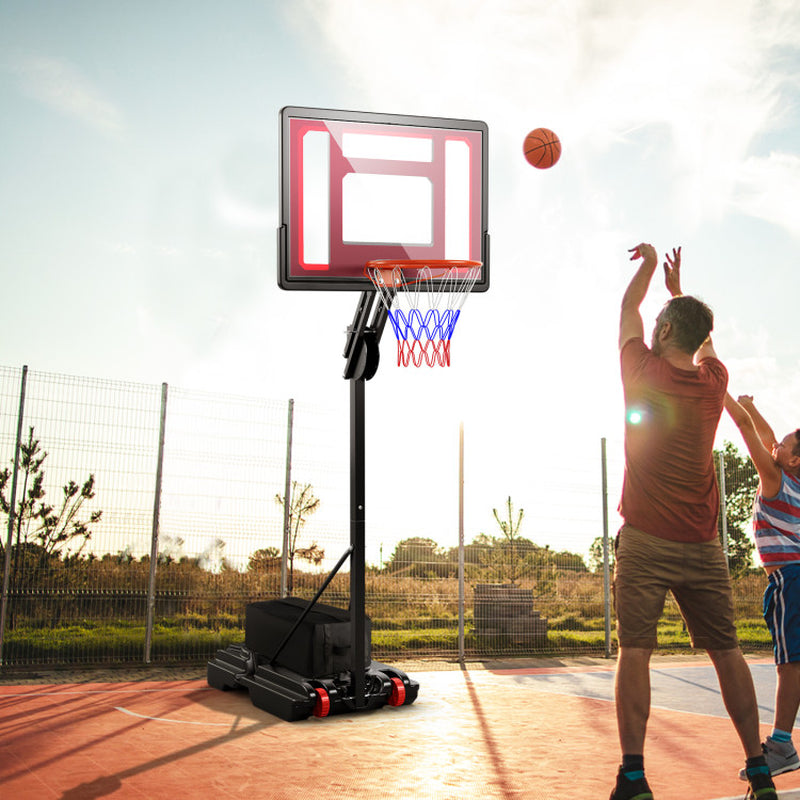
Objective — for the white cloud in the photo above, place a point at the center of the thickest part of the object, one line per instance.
(60, 85)
(703, 76)
(769, 189)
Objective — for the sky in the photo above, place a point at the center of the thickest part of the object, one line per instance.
(139, 202)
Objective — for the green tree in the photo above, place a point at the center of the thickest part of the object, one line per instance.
(496, 559)
(53, 528)
(741, 484)
(569, 562)
(418, 557)
(302, 504)
(475, 552)
(512, 550)
(264, 560)
(596, 554)
(44, 537)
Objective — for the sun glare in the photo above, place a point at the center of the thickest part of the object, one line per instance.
(635, 416)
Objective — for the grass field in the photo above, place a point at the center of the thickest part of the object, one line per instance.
(122, 642)
(411, 618)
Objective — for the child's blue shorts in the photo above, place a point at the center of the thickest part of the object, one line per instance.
(782, 612)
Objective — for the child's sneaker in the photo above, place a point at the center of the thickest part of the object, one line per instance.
(627, 789)
(781, 757)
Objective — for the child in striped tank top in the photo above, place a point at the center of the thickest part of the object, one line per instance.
(776, 526)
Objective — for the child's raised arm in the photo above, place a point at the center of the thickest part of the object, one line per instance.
(769, 472)
(762, 426)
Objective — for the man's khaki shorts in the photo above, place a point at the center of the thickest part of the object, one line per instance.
(696, 573)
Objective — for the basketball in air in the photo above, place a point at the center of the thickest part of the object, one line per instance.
(542, 148)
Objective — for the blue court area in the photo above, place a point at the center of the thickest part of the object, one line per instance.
(677, 687)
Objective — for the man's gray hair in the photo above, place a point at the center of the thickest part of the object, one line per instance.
(691, 319)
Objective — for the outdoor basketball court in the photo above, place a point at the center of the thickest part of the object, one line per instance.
(543, 729)
(393, 208)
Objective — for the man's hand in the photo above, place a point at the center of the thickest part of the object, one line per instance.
(672, 272)
(645, 251)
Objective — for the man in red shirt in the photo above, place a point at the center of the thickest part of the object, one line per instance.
(674, 393)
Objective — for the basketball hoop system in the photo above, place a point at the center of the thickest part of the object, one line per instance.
(423, 328)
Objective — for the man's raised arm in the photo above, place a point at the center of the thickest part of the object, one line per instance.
(630, 321)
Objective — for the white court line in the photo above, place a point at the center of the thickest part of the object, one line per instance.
(792, 794)
(176, 721)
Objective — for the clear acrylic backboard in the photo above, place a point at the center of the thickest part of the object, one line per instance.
(360, 186)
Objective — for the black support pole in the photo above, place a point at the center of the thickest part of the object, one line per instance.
(362, 357)
(357, 560)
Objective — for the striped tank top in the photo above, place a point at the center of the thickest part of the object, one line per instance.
(776, 524)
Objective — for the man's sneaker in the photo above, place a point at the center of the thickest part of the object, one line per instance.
(761, 788)
(781, 757)
(632, 790)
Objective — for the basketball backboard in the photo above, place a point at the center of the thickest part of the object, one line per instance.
(358, 186)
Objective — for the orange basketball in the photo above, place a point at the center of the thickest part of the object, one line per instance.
(542, 148)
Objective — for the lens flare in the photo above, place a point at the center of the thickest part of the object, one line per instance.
(635, 416)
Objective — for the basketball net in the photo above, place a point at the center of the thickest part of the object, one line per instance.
(424, 301)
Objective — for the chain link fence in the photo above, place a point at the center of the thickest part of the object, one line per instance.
(145, 519)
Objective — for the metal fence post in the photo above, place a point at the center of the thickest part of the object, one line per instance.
(461, 592)
(12, 503)
(151, 588)
(723, 505)
(287, 501)
(606, 554)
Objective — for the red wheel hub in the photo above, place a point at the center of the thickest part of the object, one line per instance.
(398, 695)
(323, 705)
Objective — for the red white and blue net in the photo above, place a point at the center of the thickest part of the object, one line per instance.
(424, 302)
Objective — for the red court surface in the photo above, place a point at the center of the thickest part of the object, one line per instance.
(539, 730)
